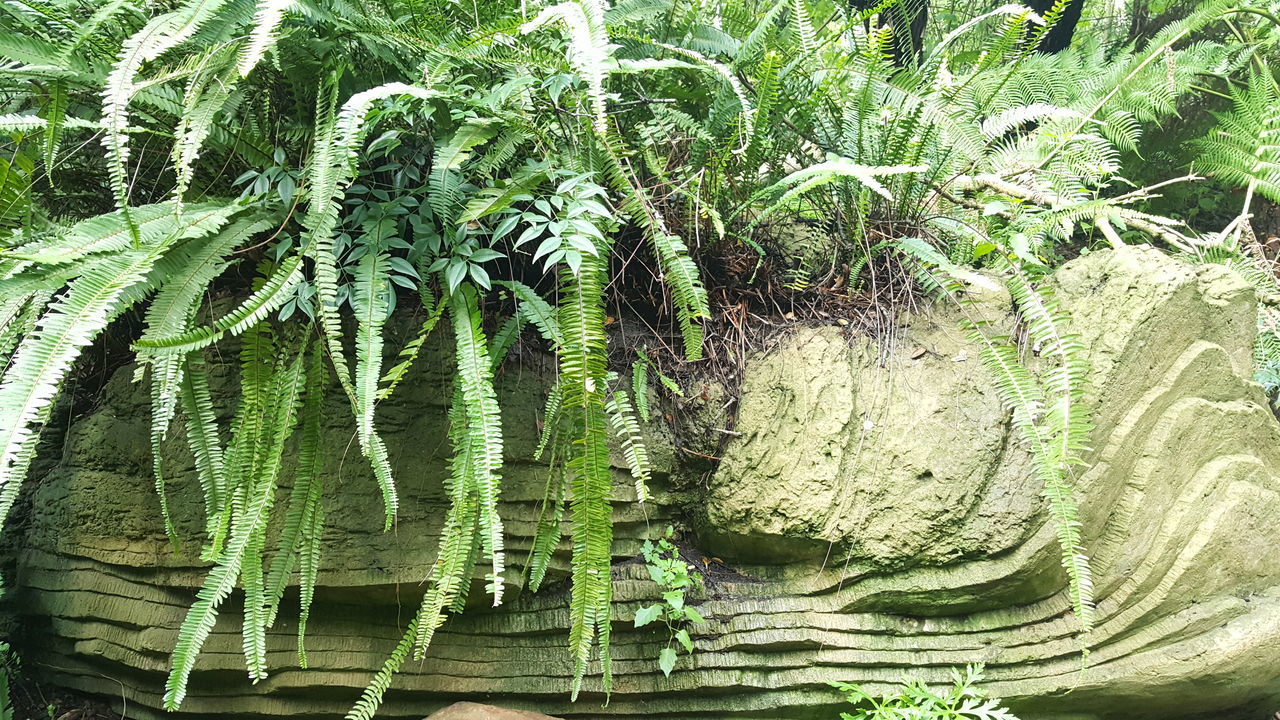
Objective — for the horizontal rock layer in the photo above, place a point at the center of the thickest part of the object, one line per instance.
(877, 511)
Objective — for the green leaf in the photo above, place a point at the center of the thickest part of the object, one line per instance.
(674, 598)
(646, 615)
(667, 661)
(682, 636)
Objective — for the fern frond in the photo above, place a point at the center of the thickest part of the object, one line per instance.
(105, 289)
(640, 387)
(206, 447)
(451, 574)
(298, 545)
(371, 698)
(550, 417)
(268, 18)
(271, 383)
(110, 233)
(678, 269)
(264, 301)
(449, 157)
(583, 376)
(547, 535)
(484, 427)
(157, 37)
(625, 426)
(337, 140)
(589, 48)
(370, 303)
(409, 353)
(535, 310)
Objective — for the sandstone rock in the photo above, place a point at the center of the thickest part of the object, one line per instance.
(878, 515)
(475, 711)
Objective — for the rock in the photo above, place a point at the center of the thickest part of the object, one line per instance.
(475, 711)
(890, 453)
(877, 515)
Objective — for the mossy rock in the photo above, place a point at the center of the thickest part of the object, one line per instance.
(875, 518)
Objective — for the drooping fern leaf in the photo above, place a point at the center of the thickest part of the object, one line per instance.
(583, 375)
(371, 290)
(483, 429)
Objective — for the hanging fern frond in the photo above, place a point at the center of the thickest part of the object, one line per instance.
(548, 533)
(410, 352)
(370, 303)
(451, 574)
(105, 288)
(264, 301)
(271, 383)
(265, 23)
(299, 543)
(206, 447)
(157, 37)
(589, 48)
(483, 428)
(535, 310)
(583, 375)
(640, 387)
(550, 416)
(371, 698)
(1050, 414)
(625, 426)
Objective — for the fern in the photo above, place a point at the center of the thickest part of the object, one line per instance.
(483, 427)
(535, 310)
(679, 270)
(451, 574)
(547, 535)
(589, 48)
(158, 36)
(1050, 413)
(449, 157)
(371, 698)
(409, 353)
(267, 299)
(1244, 147)
(206, 447)
(299, 543)
(105, 289)
(640, 387)
(583, 375)
(265, 23)
(271, 385)
(337, 140)
(623, 419)
(370, 305)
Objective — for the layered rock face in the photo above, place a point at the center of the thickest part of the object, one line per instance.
(877, 511)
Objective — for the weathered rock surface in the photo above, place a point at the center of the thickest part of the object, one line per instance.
(878, 510)
(476, 711)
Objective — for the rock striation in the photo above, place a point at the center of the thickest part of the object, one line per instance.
(874, 518)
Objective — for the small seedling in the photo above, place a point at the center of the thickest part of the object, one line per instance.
(915, 701)
(675, 577)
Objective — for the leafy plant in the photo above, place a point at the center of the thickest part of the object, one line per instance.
(8, 670)
(916, 701)
(677, 579)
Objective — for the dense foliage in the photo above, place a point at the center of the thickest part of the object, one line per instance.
(505, 167)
